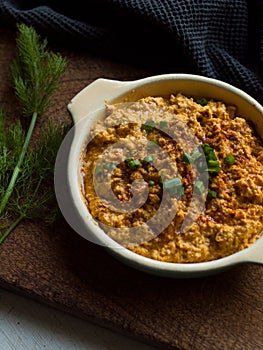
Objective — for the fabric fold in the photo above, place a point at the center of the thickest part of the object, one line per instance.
(191, 36)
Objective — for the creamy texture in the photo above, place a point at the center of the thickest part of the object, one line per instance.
(186, 225)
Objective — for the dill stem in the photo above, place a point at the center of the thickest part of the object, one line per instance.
(11, 228)
(17, 168)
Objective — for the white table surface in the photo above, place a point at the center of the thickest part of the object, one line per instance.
(28, 325)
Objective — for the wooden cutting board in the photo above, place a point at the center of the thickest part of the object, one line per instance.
(57, 267)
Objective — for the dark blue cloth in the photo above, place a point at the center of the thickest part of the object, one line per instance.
(222, 39)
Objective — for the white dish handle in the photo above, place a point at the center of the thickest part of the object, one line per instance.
(94, 96)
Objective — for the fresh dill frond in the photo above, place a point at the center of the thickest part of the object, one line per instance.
(34, 196)
(35, 71)
(11, 142)
(26, 171)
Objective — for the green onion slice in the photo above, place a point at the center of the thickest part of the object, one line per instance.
(214, 170)
(202, 101)
(133, 163)
(211, 193)
(163, 124)
(152, 144)
(174, 187)
(149, 125)
(109, 166)
(230, 159)
(213, 163)
(195, 155)
(199, 187)
(189, 159)
(149, 158)
(186, 158)
(98, 170)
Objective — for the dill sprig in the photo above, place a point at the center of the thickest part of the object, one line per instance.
(36, 71)
(26, 173)
(33, 195)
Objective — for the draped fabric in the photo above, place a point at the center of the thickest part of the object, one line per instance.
(222, 39)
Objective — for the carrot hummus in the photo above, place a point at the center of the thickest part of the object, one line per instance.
(175, 179)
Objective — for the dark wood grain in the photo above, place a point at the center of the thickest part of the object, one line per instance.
(58, 267)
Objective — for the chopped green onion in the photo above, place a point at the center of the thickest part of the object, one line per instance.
(98, 170)
(163, 124)
(133, 163)
(211, 193)
(151, 183)
(149, 158)
(152, 144)
(109, 166)
(230, 159)
(214, 170)
(191, 158)
(148, 126)
(174, 187)
(168, 184)
(199, 187)
(211, 155)
(207, 148)
(195, 155)
(213, 163)
(186, 158)
(202, 101)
